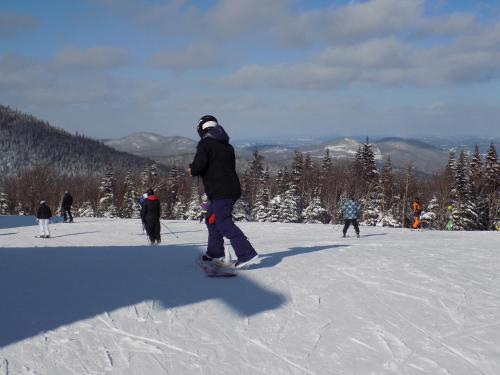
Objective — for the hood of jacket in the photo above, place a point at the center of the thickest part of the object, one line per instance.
(217, 132)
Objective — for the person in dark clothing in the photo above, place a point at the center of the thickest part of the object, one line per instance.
(150, 215)
(43, 215)
(67, 202)
(215, 163)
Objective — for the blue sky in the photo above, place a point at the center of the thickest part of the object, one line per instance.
(267, 68)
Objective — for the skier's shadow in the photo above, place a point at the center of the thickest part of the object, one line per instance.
(42, 289)
(271, 260)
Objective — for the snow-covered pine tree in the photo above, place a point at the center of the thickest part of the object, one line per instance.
(260, 209)
(274, 214)
(464, 210)
(130, 207)
(475, 171)
(492, 186)
(179, 210)
(290, 211)
(297, 175)
(241, 210)
(86, 210)
(252, 178)
(478, 194)
(315, 212)
(4, 204)
(372, 204)
(368, 161)
(430, 216)
(106, 206)
(451, 166)
(193, 211)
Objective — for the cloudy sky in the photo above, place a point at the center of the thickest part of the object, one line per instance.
(266, 68)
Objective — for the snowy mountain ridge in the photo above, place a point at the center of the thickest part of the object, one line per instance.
(179, 150)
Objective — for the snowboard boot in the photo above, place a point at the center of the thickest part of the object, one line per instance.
(244, 263)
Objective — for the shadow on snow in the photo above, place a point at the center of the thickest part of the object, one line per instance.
(271, 260)
(42, 289)
(45, 288)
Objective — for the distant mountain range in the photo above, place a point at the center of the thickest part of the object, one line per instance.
(26, 141)
(425, 157)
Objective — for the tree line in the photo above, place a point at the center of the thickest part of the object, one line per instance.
(466, 192)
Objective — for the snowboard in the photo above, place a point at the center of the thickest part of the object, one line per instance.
(214, 269)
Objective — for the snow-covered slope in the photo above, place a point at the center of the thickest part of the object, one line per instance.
(94, 300)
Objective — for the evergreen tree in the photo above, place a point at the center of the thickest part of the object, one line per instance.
(290, 211)
(252, 178)
(430, 216)
(315, 212)
(260, 210)
(464, 210)
(492, 186)
(106, 206)
(492, 167)
(451, 166)
(372, 214)
(275, 204)
(368, 161)
(130, 207)
(4, 204)
(193, 210)
(179, 210)
(241, 210)
(85, 210)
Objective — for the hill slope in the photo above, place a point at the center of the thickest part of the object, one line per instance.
(94, 300)
(26, 141)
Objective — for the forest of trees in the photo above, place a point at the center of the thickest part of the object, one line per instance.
(467, 191)
(27, 142)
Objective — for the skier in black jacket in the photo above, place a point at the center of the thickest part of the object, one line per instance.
(43, 215)
(67, 202)
(150, 215)
(215, 163)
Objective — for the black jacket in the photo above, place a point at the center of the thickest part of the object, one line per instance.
(215, 163)
(151, 210)
(43, 212)
(67, 201)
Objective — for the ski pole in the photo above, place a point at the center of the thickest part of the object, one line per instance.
(167, 228)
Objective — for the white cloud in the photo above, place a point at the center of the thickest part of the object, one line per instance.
(197, 56)
(388, 61)
(97, 58)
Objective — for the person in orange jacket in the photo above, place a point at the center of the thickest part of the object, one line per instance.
(417, 211)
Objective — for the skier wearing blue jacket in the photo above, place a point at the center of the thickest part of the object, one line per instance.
(215, 163)
(351, 214)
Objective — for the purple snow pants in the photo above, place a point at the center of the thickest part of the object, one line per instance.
(220, 224)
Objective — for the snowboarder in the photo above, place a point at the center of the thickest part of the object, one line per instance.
(43, 216)
(215, 163)
(67, 202)
(351, 214)
(417, 211)
(150, 215)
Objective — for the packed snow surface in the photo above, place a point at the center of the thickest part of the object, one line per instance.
(93, 299)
